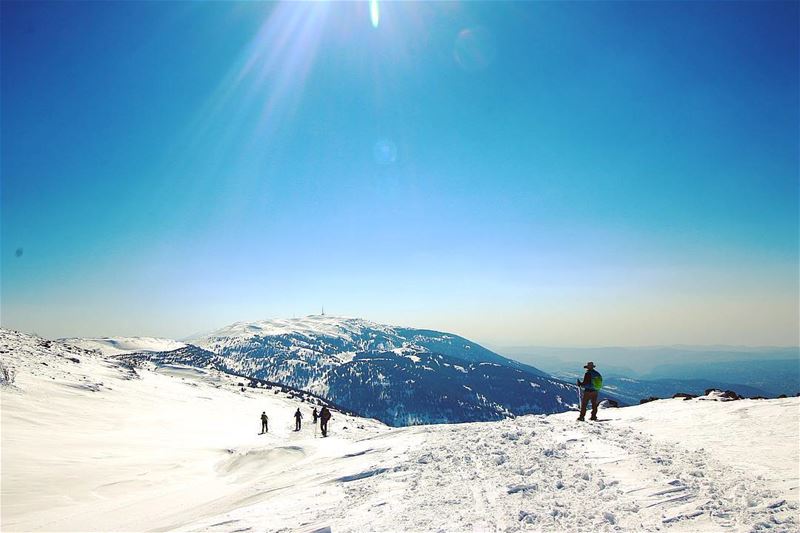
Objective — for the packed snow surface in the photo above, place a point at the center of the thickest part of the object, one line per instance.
(121, 345)
(89, 444)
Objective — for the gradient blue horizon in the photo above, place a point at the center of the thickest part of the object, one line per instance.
(561, 173)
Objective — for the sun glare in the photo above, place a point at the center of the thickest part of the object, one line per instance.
(374, 13)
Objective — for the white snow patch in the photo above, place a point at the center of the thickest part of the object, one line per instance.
(122, 345)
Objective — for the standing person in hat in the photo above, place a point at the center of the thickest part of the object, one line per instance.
(591, 384)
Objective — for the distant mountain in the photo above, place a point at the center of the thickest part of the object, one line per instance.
(121, 345)
(399, 375)
(341, 338)
(632, 390)
(775, 376)
(645, 361)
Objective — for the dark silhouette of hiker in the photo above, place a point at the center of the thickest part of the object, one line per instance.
(592, 381)
(264, 422)
(324, 416)
(298, 416)
(315, 415)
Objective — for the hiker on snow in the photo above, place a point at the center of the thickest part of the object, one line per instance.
(264, 422)
(324, 416)
(315, 415)
(591, 384)
(298, 416)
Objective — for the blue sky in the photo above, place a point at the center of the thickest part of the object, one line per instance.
(519, 173)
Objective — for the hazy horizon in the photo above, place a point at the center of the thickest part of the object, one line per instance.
(508, 350)
(552, 174)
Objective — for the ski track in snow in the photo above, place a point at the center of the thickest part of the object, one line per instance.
(543, 473)
(91, 445)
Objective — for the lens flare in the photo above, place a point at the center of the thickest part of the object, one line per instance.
(474, 49)
(374, 13)
(385, 152)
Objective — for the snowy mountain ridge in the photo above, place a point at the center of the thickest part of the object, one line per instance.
(346, 328)
(343, 337)
(399, 375)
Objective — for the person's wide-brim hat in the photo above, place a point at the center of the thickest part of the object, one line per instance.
(589, 365)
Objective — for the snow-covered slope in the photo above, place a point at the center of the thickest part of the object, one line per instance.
(341, 338)
(92, 445)
(121, 345)
(399, 375)
(403, 387)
